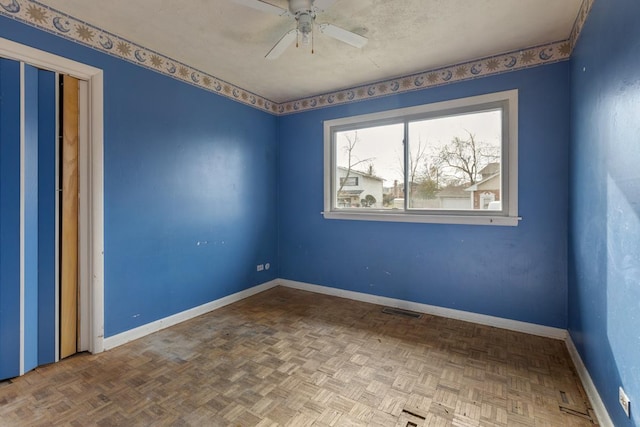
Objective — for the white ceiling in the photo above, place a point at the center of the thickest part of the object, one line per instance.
(229, 41)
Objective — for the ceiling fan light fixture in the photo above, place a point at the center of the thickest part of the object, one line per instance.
(304, 12)
(305, 27)
(306, 38)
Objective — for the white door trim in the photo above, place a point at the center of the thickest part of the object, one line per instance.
(22, 214)
(92, 194)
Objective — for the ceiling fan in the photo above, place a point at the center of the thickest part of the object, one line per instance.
(304, 12)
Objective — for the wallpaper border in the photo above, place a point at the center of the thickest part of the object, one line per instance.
(43, 17)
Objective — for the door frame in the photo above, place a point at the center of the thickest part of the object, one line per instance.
(91, 175)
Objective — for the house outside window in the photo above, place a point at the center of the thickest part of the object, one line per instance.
(447, 162)
(358, 189)
(486, 192)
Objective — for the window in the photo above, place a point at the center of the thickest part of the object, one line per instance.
(447, 162)
(351, 181)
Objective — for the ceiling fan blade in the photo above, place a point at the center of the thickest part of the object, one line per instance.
(345, 36)
(283, 44)
(322, 5)
(263, 7)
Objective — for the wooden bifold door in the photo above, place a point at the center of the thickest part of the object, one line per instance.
(69, 217)
(46, 204)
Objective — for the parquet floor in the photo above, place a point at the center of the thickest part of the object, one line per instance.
(288, 357)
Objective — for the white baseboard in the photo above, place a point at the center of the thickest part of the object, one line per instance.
(483, 319)
(498, 322)
(149, 328)
(514, 325)
(589, 387)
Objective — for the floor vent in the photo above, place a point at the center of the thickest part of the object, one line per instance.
(401, 312)
(576, 413)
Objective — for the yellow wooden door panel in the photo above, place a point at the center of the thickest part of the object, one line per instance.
(69, 220)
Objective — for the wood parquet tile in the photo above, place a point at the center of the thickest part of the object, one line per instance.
(292, 358)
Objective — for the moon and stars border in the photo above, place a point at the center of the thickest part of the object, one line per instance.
(43, 17)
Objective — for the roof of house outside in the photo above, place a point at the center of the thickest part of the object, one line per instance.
(490, 169)
(453, 191)
(360, 173)
(477, 185)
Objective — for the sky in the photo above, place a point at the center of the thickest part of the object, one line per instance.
(383, 144)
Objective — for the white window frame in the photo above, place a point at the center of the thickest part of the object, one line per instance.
(508, 100)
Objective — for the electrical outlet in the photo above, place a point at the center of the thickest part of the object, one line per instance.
(624, 401)
(267, 266)
(259, 267)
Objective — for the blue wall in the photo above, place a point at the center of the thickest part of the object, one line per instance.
(604, 254)
(512, 272)
(190, 189)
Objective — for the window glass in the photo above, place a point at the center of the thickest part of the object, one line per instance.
(454, 162)
(367, 159)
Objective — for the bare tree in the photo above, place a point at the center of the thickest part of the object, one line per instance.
(417, 158)
(466, 157)
(423, 177)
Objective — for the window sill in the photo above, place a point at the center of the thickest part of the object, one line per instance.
(421, 218)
